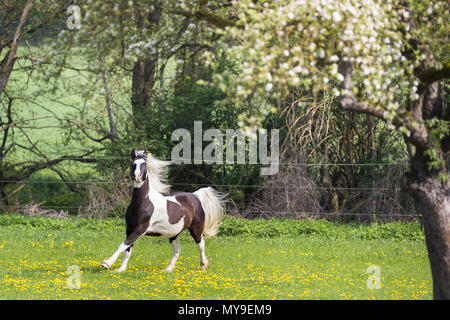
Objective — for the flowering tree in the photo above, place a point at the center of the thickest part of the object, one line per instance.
(388, 59)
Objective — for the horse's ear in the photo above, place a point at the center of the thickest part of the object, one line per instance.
(134, 154)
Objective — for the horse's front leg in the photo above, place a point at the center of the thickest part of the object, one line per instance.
(125, 246)
(126, 257)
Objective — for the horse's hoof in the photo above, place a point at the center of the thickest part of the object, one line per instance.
(105, 265)
(120, 270)
(204, 266)
(167, 270)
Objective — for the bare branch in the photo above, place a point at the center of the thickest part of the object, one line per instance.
(7, 69)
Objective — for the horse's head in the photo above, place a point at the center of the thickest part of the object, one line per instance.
(138, 165)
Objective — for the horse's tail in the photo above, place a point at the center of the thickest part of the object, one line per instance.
(213, 203)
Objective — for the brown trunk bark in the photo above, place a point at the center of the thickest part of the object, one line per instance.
(142, 85)
(433, 199)
(431, 194)
(144, 71)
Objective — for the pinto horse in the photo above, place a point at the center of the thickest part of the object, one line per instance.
(153, 213)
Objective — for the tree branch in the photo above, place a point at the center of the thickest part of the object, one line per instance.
(428, 76)
(204, 14)
(7, 69)
(418, 133)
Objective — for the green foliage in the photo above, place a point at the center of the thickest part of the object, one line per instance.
(24, 222)
(438, 130)
(176, 108)
(272, 228)
(67, 201)
(323, 228)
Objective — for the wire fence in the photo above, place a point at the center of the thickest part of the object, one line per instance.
(204, 185)
(225, 187)
(189, 160)
(233, 212)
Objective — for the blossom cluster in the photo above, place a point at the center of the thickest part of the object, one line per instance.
(285, 44)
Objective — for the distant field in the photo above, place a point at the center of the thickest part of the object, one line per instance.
(250, 259)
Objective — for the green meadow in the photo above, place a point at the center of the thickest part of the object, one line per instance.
(50, 258)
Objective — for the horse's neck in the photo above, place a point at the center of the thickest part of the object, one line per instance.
(140, 191)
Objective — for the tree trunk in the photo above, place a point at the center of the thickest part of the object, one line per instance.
(433, 198)
(112, 125)
(144, 71)
(142, 85)
(432, 194)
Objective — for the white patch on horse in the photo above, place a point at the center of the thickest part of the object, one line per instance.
(138, 184)
(137, 173)
(159, 222)
(173, 199)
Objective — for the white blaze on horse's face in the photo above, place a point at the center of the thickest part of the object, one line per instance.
(138, 171)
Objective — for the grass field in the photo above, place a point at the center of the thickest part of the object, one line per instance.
(250, 259)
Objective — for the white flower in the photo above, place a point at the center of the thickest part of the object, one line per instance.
(325, 80)
(269, 86)
(321, 53)
(334, 58)
(298, 69)
(340, 77)
(337, 16)
(333, 68)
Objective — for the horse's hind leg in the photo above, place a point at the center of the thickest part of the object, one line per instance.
(176, 246)
(198, 238)
(204, 263)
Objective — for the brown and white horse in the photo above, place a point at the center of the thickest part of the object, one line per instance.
(153, 213)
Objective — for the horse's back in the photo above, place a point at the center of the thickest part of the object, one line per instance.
(191, 201)
(187, 197)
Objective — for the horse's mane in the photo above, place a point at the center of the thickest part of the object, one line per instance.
(157, 173)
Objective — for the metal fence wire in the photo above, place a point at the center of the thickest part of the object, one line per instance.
(6, 206)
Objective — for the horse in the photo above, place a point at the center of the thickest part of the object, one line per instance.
(154, 212)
